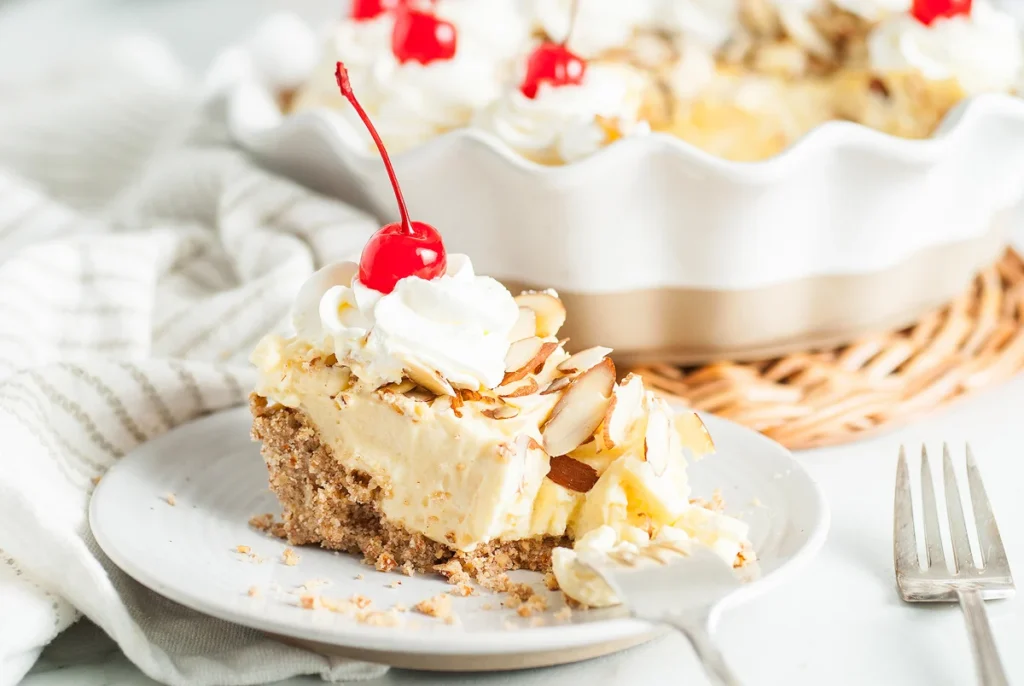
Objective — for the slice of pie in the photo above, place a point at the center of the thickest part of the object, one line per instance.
(415, 469)
(421, 416)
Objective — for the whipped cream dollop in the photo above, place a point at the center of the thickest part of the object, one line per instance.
(457, 325)
(412, 102)
(874, 10)
(365, 48)
(600, 25)
(982, 50)
(708, 23)
(564, 123)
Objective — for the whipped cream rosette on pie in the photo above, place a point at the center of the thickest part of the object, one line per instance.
(421, 68)
(558, 80)
(422, 416)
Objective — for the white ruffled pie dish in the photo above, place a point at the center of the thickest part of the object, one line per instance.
(667, 252)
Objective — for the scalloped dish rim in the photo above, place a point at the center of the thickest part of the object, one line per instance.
(822, 139)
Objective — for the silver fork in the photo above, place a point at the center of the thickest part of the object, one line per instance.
(972, 581)
(681, 591)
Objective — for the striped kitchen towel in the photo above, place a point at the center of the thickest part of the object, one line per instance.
(140, 260)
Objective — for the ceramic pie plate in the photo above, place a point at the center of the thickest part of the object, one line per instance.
(188, 552)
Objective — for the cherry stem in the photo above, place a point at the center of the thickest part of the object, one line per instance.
(575, 10)
(341, 74)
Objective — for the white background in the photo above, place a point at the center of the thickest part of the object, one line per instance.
(839, 622)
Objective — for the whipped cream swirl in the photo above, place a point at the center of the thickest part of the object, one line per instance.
(412, 102)
(874, 10)
(561, 123)
(365, 48)
(601, 25)
(982, 51)
(457, 325)
(708, 23)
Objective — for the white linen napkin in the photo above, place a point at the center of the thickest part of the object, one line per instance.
(140, 262)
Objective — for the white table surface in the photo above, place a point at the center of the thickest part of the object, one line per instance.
(838, 622)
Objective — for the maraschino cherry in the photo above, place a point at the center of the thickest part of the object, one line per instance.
(927, 11)
(554, 64)
(421, 36)
(400, 250)
(371, 9)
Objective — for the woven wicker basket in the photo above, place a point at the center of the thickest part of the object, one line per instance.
(826, 397)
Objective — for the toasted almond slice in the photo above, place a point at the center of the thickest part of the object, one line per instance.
(557, 385)
(579, 411)
(693, 434)
(501, 412)
(457, 405)
(430, 379)
(658, 437)
(524, 357)
(572, 474)
(421, 394)
(549, 310)
(440, 403)
(583, 360)
(469, 395)
(526, 326)
(521, 352)
(517, 389)
(626, 408)
(400, 388)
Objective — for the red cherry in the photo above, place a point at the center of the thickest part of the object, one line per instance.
(393, 253)
(398, 250)
(369, 9)
(422, 37)
(554, 64)
(927, 11)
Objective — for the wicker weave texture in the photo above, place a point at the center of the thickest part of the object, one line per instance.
(818, 398)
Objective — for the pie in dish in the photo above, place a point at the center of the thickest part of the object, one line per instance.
(741, 79)
(421, 416)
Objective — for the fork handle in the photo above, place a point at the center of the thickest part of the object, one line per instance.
(983, 645)
(697, 633)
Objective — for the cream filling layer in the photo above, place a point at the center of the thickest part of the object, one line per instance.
(458, 481)
(464, 481)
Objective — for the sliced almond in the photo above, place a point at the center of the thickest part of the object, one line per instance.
(521, 352)
(440, 403)
(626, 408)
(525, 356)
(469, 395)
(583, 360)
(526, 325)
(400, 388)
(693, 434)
(549, 310)
(517, 389)
(421, 394)
(579, 411)
(557, 385)
(457, 405)
(501, 412)
(428, 378)
(658, 437)
(572, 474)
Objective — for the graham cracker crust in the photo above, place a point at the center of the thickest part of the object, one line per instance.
(326, 504)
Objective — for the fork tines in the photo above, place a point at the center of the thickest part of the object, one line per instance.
(991, 573)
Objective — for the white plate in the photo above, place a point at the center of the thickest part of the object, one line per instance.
(186, 552)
